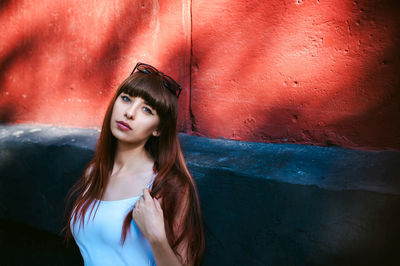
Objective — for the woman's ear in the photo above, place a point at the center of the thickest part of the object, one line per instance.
(156, 133)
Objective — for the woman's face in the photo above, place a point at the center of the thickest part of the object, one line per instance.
(133, 120)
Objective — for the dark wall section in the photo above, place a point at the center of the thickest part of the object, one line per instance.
(263, 222)
(285, 204)
(263, 204)
(37, 167)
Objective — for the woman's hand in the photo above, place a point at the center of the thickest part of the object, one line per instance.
(149, 217)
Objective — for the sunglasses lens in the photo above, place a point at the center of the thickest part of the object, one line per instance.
(144, 70)
(171, 84)
(167, 85)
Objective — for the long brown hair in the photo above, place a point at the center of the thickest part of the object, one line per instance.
(173, 182)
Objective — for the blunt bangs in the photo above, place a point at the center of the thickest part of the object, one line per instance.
(150, 88)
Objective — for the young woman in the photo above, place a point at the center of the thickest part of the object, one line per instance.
(136, 203)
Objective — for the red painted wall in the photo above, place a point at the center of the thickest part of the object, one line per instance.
(315, 72)
(61, 61)
(298, 71)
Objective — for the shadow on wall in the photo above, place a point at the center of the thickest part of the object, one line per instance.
(4, 4)
(18, 53)
(6, 114)
(46, 52)
(289, 82)
(30, 46)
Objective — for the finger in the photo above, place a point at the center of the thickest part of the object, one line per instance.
(157, 203)
(146, 194)
(140, 201)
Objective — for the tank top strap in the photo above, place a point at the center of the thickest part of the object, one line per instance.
(150, 185)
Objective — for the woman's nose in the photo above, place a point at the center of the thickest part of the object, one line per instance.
(130, 112)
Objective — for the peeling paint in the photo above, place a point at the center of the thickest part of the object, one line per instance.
(35, 130)
(18, 133)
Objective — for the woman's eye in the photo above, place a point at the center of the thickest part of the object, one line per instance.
(125, 98)
(147, 110)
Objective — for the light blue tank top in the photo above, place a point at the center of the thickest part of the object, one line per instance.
(99, 240)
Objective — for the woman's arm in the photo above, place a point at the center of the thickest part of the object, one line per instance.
(149, 217)
(163, 254)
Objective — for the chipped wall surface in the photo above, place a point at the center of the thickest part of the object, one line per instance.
(294, 71)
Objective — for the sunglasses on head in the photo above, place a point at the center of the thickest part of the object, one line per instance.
(168, 82)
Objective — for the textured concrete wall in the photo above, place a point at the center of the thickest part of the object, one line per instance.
(289, 71)
(61, 61)
(299, 71)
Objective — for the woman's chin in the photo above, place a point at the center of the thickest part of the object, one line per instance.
(123, 139)
(119, 134)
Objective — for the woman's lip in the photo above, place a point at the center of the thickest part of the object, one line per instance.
(123, 125)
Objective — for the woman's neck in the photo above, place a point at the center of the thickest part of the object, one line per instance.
(132, 158)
